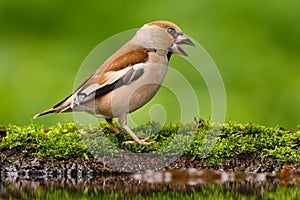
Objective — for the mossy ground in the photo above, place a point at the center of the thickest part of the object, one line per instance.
(208, 142)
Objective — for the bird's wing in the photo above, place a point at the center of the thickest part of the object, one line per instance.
(125, 69)
(67, 99)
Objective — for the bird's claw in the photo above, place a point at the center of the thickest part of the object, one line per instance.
(143, 142)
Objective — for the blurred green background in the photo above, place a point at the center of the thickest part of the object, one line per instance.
(255, 44)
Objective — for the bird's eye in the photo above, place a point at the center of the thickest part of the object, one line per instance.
(171, 31)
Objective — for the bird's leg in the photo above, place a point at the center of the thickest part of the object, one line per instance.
(110, 122)
(123, 123)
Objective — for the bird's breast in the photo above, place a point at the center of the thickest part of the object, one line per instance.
(131, 97)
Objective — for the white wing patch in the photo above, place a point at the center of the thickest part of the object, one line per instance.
(112, 76)
(125, 75)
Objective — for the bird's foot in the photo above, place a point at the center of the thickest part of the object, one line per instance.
(143, 142)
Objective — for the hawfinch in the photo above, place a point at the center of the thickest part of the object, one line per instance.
(129, 78)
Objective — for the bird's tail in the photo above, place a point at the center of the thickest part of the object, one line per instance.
(51, 110)
(63, 106)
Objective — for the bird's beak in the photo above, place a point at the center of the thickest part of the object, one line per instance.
(181, 39)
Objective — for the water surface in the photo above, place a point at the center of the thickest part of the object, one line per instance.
(166, 184)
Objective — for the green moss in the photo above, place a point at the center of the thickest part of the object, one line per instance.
(235, 139)
(212, 142)
(57, 143)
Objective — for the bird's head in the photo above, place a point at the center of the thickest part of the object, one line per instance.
(163, 35)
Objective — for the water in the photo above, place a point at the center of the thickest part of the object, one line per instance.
(166, 184)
